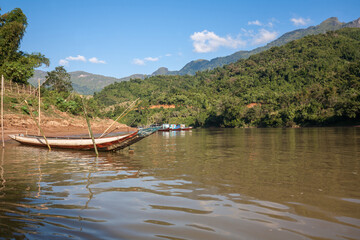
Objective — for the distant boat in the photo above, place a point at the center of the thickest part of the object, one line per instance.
(174, 127)
(184, 128)
(164, 128)
(111, 143)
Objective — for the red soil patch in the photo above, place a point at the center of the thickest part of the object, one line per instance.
(162, 106)
(251, 105)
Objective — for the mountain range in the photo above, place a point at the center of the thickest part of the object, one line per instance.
(330, 24)
(84, 82)
(88, 83)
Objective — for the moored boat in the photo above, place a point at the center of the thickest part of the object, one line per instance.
(184, 128)
(164, 127)
(111, 143)
(174, 127)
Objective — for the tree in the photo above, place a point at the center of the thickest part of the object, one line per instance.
(16, 65)
(58, 80)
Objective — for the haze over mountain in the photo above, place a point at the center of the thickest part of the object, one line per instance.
(88, 83)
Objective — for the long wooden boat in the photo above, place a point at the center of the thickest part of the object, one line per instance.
(102, 144)
(111, 143)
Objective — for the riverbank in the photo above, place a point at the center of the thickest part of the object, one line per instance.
(63, 125)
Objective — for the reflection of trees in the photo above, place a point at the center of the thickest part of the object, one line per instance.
(15, 195)
(277, 165)
(37, 182)
(242, 166)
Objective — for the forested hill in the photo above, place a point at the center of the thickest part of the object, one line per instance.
(311, 81)
(330, 24)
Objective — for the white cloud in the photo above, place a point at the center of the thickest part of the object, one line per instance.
(256, 22)
(264, 36)
(63, 62)
(143, 61)
(206, 41)
(168, 55)
(138, 61)
(77, 58)
(300, 21)
(95, 60)
(151, 59)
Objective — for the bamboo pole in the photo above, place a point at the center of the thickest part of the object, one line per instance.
(89, 128)
(119, 117)
(42, 133)
(39, 106)
(2, 110)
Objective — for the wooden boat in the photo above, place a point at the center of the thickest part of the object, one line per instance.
(112, 143)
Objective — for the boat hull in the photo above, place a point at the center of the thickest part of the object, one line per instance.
(164, 129)
(102, 144)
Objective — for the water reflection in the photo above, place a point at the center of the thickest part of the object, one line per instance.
(2, 178)
(169, 134)
(204, 184)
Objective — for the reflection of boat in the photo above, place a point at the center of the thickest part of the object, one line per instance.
(111, 143)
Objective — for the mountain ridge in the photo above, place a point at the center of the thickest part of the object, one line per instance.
(97, 82)
(330, 24)
(85, 82)
(312, 81)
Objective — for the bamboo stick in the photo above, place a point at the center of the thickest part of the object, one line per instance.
(119, 117)
(42, 133)
(89, 128)
(39, 106)
(122, 117)
(2, 110)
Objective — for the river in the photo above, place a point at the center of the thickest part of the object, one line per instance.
(201, 184)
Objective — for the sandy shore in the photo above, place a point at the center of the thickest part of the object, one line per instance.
(61, 126)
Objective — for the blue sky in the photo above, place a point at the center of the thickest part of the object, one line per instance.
(119, 38)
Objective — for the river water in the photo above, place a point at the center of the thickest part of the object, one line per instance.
(201, 184)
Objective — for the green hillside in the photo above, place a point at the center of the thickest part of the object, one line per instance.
(330, 24)
(311, 81)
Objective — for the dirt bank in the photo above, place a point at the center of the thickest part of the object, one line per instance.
(57, 126)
